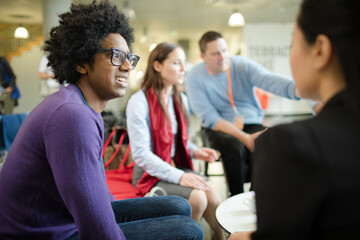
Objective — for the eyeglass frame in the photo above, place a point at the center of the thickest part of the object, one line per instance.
(127, 55)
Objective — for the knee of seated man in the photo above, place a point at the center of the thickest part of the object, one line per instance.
(180, 205)
(195, 227)
(190, 227)
(236, 143)
(232, 145)
(228, 141)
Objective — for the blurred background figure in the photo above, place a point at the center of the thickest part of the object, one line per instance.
(48, 84)
(221, 92)
(9, 93)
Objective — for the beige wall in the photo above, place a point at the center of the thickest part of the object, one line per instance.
(25, 68)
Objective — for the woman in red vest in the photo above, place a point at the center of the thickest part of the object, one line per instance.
(157, 126)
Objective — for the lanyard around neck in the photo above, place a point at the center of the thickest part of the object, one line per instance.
(85, 102)
(229, 93)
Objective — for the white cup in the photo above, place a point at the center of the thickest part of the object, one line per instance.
(250, 203)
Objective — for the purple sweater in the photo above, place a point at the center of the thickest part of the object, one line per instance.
(51, 184)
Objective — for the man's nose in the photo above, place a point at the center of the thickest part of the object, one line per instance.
(221, 56)
(126, 66)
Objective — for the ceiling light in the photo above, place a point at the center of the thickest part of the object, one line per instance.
(128, 11)
(236, 19)
(21, 32)
(152, 46)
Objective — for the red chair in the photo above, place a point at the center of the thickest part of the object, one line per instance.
(119, 180)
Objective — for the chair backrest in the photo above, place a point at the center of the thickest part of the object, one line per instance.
(11, 124)
(204, 138)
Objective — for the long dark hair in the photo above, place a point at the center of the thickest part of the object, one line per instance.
(340, 21)
(152, 77)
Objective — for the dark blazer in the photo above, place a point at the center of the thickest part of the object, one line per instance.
(307, 176)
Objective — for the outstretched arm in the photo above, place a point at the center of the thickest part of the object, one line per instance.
(44, 75)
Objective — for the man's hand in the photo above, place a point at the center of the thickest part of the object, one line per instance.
(229, 128)
(318, 107)
(250, 141)
(9, 89)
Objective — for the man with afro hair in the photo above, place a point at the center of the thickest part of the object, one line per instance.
(52, 185)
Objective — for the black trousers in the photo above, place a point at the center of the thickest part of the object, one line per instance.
(235, 156)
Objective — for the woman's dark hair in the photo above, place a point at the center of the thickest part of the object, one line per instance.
(80, 33)
(152, 78)
(208, 37)
(340, 21)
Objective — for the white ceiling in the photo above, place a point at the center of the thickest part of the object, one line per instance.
(179, 15)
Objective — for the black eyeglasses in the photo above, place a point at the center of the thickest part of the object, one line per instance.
(118, 56)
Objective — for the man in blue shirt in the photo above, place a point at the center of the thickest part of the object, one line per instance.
(221, 93)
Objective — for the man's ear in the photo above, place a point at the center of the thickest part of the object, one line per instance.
(322, 51)
(157, 66)
(202, 56)
(81, 68)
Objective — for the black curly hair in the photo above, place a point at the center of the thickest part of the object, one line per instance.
(80, 33)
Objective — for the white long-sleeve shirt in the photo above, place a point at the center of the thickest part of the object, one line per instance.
(138, 124)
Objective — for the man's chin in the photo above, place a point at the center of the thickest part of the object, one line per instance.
(221, 70)
(121, 93)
